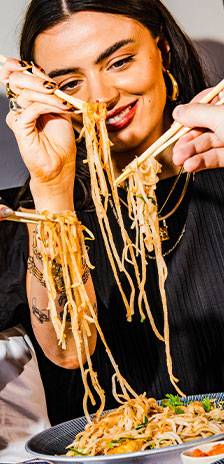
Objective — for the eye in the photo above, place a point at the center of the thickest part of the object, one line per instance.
(121, 63)
(72, 85)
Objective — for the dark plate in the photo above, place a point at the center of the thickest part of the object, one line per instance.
(51, 443)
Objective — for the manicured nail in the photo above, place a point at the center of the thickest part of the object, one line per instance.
(39, 67)
(25, 64)
(5, 212)
(177, 112)
(49, 85)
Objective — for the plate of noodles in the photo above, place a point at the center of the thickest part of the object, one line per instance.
(140, 430)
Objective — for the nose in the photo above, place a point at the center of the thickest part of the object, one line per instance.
(101, 89)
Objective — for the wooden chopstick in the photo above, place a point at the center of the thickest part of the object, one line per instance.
(32, 218)
(176, 131)
(77, 103)
(177, 136)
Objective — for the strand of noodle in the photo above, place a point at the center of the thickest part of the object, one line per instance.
(94, 318)
(134, 209)
(104, 146)
(151, 229)
(73, 308)
(43, 231)
(123, 383)
(101, 214)
(79, 298)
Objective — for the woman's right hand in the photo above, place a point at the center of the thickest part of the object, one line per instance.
(44, 132)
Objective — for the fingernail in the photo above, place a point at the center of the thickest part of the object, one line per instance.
(25, 64)
(177, 111)
(5, 212)
(40, 68)
(49, 85)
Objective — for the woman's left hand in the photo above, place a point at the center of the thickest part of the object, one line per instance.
(203, 147)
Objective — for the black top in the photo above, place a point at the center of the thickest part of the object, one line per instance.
(195, 293)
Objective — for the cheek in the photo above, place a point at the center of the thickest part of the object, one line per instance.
(144, 79)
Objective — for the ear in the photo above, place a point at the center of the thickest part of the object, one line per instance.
(164, 48)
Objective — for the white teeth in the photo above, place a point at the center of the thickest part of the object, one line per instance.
(119, 117)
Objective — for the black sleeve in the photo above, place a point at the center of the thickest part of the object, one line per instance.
(13, 258)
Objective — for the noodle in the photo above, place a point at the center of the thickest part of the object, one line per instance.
(142, 423)
(62, 241)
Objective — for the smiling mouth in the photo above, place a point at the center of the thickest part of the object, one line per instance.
(121, 118)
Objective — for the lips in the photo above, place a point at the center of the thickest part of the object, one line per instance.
(121, 117)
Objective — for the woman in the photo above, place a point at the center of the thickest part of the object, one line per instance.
(120, 53)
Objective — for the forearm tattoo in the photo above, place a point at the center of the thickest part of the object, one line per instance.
(42, 315)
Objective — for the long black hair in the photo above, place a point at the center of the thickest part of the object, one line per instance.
(184, 62)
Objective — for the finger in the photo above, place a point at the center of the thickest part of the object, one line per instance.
(200, 95)
(39, 72)
(5, 212)
(188, 137)
(211, 159)
(19, 81)
(28, 97)
(200, 144)
(201, 115)
(11, 65)
(197, 98)
(26, 120)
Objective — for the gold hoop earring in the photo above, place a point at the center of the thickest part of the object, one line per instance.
(174, 94)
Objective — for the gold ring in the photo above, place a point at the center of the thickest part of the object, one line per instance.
(9, 92)
(14, 106)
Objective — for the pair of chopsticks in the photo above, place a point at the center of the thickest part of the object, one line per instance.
(176, 131)
(78, 104)
(22, 216)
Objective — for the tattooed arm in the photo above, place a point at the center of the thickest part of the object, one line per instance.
(42, 325)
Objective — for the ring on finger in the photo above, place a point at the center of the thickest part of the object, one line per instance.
(9, 92)
(14, 106)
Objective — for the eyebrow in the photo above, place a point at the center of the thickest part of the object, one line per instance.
(103, 56)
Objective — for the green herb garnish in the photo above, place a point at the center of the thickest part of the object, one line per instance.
(77, 452)
(207, 404)
(143, 424)
(114, 443)
(173, 401)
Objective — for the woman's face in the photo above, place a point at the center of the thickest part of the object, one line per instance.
(110, 58)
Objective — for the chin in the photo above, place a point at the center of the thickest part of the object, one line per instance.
(132, 143)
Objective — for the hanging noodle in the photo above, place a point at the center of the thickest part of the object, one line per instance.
(142, 209)
(103, 188)
(62, 241)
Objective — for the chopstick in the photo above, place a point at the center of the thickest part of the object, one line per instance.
(77, 103)
(31, 218)
(176, 131)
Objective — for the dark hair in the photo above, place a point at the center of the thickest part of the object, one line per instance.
(184, 61)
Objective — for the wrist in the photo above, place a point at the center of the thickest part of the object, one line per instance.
(54, 198)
